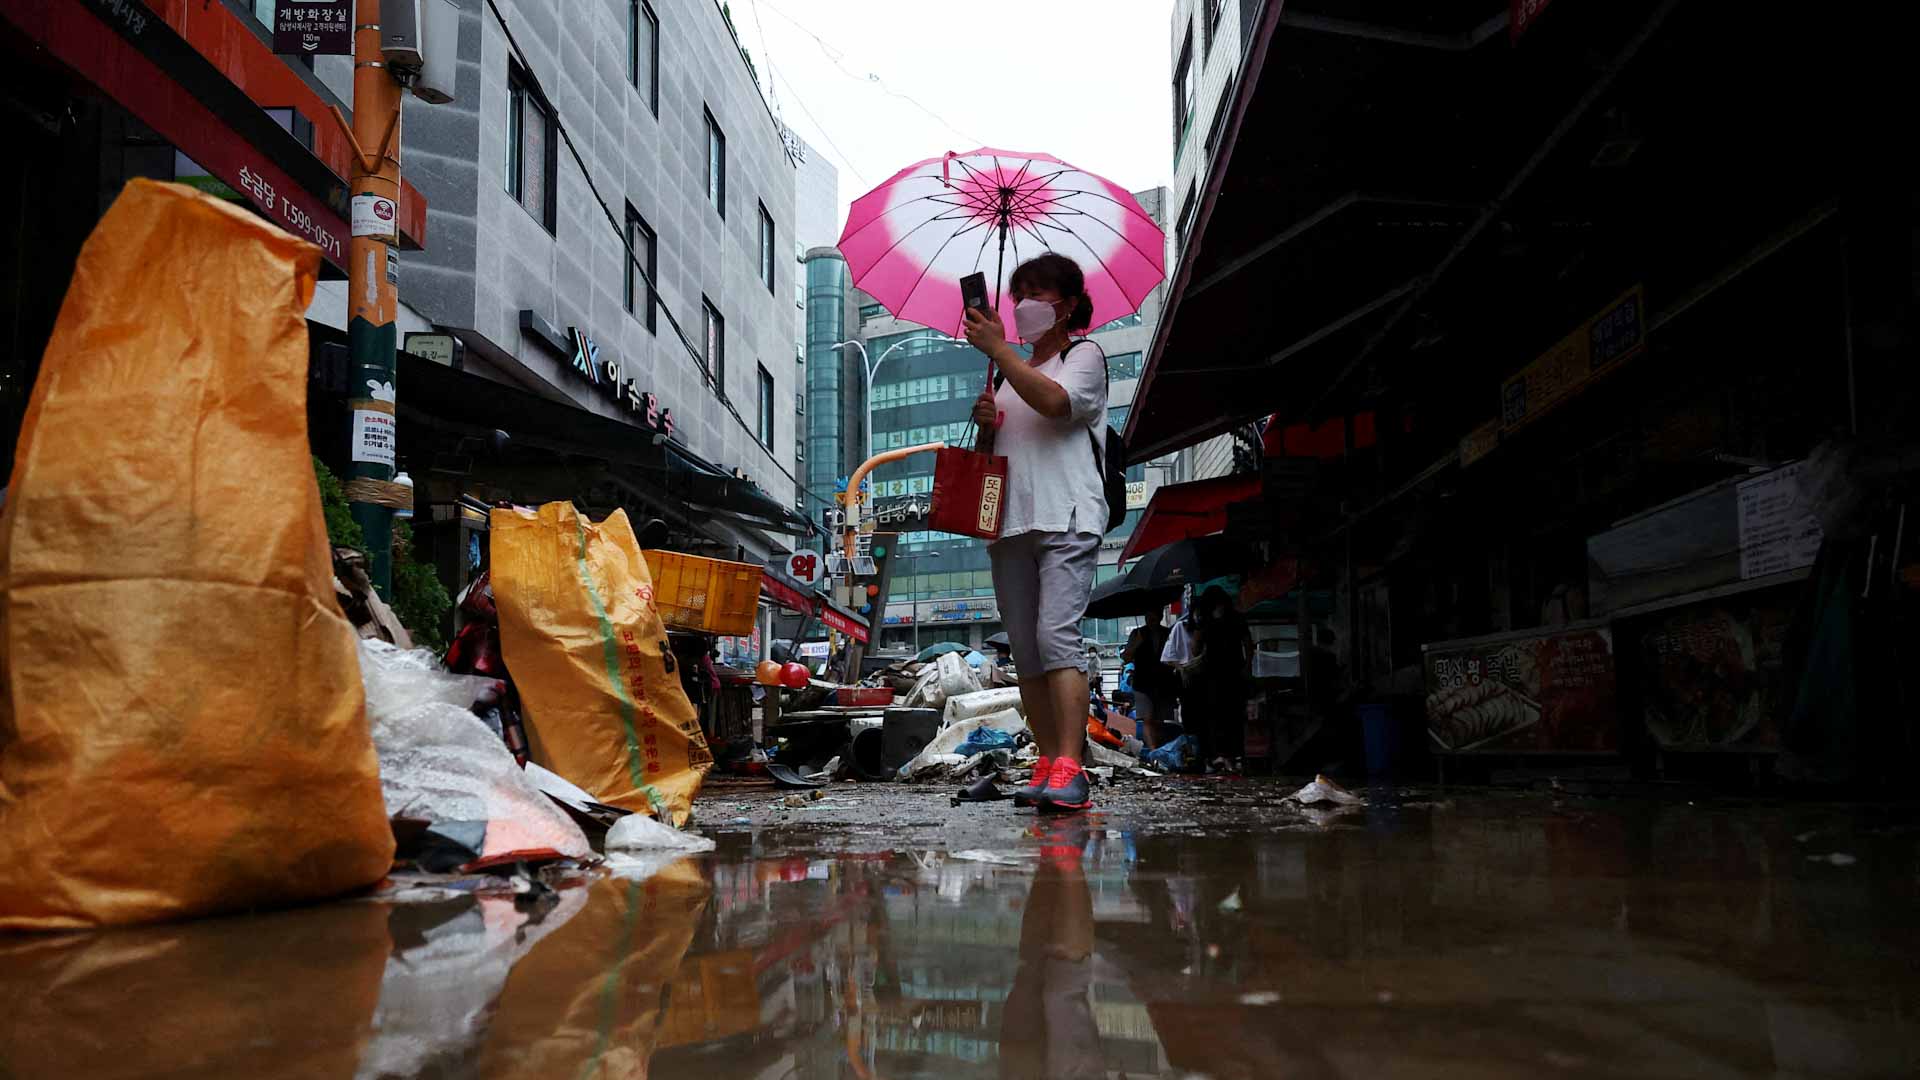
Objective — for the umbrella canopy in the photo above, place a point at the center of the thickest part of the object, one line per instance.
(909, 241)
(1188, 562)
(1121, 597)
(1000, 639)
(940, 648)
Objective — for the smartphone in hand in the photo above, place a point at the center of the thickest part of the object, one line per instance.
(973, 291)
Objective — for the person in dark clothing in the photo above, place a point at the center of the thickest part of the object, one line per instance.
(1156, 687)
(1217, 680)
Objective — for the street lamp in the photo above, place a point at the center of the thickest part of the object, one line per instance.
(873, 368)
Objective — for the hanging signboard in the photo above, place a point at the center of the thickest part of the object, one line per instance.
(1597, 347)
(850, 625)
(313, 28)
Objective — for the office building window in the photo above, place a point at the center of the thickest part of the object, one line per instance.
(869, 312)
(1183, 91)
(530, 147)
(1123, 321)
(716, 339)
(643, 257)
(766, 408)
(1117, 416)
(643, 52)
(766, 247)
(1124, 365)
(716, 165)
(1214, 8)
(1186, 217)
(1220, 110)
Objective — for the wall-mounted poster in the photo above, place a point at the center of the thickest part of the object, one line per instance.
(1540, 691)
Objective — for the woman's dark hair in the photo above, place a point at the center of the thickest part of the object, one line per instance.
(1061, 274)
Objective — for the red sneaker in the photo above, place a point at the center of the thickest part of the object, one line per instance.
(1067, 788)
(1029, 795)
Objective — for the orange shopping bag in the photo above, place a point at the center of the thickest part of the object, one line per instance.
(183, 729)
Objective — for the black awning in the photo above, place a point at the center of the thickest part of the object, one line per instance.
(484, 405)
(1368, 147)
(707, 487)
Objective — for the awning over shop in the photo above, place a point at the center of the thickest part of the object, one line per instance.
(577, 446)
(787, 594)
(134, 55)
(1180, 511)
(1404, 206)
(709, 489)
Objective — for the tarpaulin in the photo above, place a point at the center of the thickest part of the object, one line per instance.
(588, 650)
(183, 728)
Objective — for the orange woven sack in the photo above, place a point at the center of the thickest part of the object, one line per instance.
(182, 729)
(588, 651)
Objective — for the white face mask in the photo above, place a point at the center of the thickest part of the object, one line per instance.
(1033, 318)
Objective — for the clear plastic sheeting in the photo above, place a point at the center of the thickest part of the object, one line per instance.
(440, 762)
(1323, 790)
(640, 833)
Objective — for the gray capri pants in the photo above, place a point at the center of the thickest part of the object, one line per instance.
(1042, 581)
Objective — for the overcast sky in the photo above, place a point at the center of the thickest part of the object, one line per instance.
(1084, 80)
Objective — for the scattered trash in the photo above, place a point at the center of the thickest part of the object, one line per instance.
(638, 832)
(441, 763)
(955, 677)
(1801, 838)
(1112, 759)
(1231, 903)
(797, 800)
(1102, 773)
(785, 776)
(944, 749)
(741, 821)
(981, 790)
(1178, 756)
(1261, 997)
(981, 703)
(1384, 997)
(982, 740)
(1838, 858)
(1323, 790)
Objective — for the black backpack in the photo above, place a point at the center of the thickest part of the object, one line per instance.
(1111, 459)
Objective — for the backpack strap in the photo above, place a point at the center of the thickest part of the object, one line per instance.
(1099, 452)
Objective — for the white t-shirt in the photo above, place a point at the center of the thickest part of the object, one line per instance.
(1054, 483)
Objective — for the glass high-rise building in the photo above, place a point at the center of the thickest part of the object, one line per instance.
(832, 397)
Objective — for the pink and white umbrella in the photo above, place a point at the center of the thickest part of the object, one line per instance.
(909, 241)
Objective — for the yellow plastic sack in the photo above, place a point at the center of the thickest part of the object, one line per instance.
(586, 1002)
(583, 639)
(182, 729)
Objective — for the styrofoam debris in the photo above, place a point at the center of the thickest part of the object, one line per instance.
(1323, 790)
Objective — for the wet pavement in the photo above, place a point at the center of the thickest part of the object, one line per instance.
(1187, 927)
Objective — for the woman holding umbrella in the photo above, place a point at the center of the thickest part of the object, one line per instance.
(1038, 415)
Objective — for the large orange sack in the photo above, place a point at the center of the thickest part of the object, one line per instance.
(584, 640)
(182, 729)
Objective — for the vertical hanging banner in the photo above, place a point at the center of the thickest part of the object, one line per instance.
(313, 27)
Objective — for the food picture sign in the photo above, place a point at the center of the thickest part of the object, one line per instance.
(313, 27)
(1547, 692)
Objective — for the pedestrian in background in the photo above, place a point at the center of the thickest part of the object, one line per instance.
(1156, 689)
(1042, 416)
(1218, 681)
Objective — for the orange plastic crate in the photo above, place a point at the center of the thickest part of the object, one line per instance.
(712, 596)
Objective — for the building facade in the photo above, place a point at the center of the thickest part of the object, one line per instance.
(676, 145)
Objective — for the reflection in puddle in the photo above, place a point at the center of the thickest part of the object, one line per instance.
(1476, 937)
